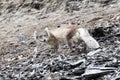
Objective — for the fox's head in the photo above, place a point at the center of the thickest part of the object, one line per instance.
(49, 37)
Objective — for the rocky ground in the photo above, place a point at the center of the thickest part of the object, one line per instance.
(22, 57)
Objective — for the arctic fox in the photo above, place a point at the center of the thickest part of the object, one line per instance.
(70, 35)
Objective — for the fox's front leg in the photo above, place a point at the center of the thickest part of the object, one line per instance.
(56, 48)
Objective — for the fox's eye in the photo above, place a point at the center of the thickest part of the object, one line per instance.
(45, 36)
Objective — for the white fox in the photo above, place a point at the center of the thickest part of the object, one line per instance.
(70, 35)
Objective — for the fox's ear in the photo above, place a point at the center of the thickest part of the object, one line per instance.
(47, 31)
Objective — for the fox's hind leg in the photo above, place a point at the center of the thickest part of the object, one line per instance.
(56, 46)
(69, 37)
(70, 46)
(85, 48)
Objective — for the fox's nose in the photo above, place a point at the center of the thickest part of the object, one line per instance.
(44, 40)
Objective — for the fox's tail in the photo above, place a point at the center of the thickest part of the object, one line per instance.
(88, 39)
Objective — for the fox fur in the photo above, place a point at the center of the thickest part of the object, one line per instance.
(70, 35)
